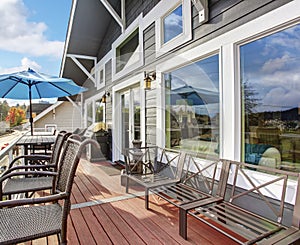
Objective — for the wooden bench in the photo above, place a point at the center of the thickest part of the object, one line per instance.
(261, 206)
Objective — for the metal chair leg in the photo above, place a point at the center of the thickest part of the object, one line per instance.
(183, 223)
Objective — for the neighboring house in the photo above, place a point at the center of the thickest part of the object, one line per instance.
(224, 75)
(62, 115)
(37, 108)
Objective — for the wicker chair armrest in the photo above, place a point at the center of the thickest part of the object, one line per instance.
(24, 173)
(31, 201)
(25, 167)
(29, 157)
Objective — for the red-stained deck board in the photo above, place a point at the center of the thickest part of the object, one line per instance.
(124, 221)
(81, 227)
(108, 226)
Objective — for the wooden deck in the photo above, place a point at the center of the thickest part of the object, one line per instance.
(102, 213)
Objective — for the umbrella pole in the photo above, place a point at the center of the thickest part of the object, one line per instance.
(30, 111)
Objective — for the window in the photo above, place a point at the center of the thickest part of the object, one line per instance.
(270, 82)
(192, 107)
(172, 24)
(89, 114)
(101, 77)
(173, 27)
(99, 111)
(126, 52)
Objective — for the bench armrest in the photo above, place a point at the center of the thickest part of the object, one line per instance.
(288, 236)
(29, 157)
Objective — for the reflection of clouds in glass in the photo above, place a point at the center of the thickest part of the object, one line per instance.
(203, 74)
(281, 98)
(173, 24)
(271, 66)
(198, 84)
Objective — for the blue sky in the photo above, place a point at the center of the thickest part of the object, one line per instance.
(32, 34)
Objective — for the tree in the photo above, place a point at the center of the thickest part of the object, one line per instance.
(15, 116)
(4, 108)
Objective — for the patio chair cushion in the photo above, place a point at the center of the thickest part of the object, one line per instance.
(22, 185)
(29, 222)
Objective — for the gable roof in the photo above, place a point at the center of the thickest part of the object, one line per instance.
(88, 23)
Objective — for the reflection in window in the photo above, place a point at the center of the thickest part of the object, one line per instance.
(270, 80)
(137, 113)
(99, 107)
(172, 24)
(127, 52)
(89, 114)
(101, 78)
(192, 107)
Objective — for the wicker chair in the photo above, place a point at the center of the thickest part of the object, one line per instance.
(34, 176)
(24, 220)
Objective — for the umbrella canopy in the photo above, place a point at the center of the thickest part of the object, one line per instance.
(33, 85)
(195, 96)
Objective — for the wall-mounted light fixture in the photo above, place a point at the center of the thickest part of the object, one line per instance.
(148, 78)
(104, 96)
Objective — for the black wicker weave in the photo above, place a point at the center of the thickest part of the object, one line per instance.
(22, 221)
(35, 176)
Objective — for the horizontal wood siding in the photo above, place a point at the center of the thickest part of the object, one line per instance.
(151, 117)
(112, 33)
(67, 117)
(149, 44)
(227, 15)
(108, 84)
(108, 73)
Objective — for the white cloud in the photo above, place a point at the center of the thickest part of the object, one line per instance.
(25, 64)
(18, 34)
(173, 21)
(276, 64)
(281, 98)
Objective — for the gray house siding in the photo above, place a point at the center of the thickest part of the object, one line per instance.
(223, 17)
(227, 15)
(149, 44)
(151, 106)
(65, 117)
(108, 83)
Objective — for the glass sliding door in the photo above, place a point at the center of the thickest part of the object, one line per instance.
(131, 126)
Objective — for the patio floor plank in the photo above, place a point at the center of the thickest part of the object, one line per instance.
(104, 214)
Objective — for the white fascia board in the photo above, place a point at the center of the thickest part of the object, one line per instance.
(68, 36)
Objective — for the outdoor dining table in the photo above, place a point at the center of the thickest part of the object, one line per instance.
(33, 142)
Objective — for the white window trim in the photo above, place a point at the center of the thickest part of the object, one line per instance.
(101, 66)
(230, 129)
(166, 8)
(133, 26)
(93, 100)
(228, 44)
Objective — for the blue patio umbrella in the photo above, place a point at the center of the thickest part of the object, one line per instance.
(194, 96)
(30, 85)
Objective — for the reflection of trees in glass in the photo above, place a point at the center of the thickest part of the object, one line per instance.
(250, 97)
(251, 100)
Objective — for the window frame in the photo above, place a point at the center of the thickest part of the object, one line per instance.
(186, 35)
(92, 100)
(206, 56)
(121, 39)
